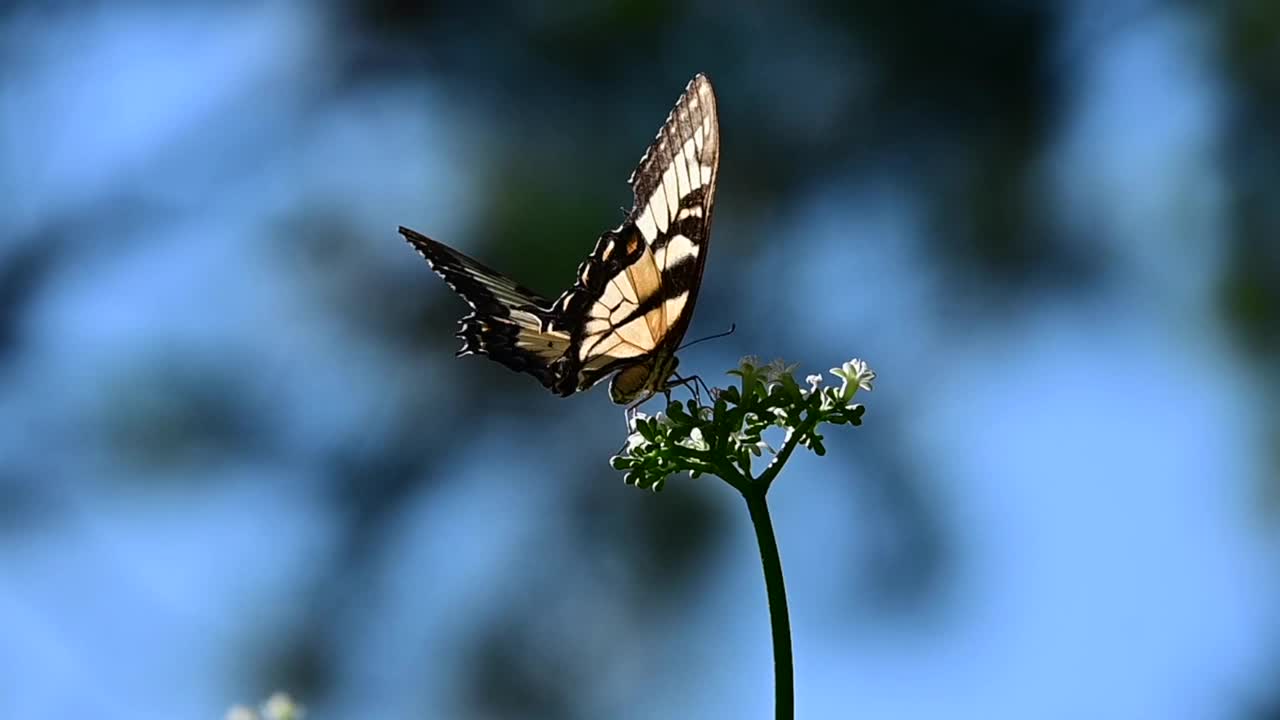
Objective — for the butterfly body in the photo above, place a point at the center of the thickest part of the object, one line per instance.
(634, 295)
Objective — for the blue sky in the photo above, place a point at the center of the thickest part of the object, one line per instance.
(1094, 459)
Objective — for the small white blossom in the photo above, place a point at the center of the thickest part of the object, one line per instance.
(277, 707)
(660, 418)
(866, 376)
(857, 375)
(774, 371)
(813, 381)
(696, 436)
(634, 440)
(281, 707)
(695, 441)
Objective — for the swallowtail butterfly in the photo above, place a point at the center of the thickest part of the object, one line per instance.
(631, 303)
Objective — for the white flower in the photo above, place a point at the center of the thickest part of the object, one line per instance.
(634, 421)
(814, 381)
(281, 707)
(277, 707)
(857, 375)
(774, 371)
(695, 441)
(866, 376)
(634, 440)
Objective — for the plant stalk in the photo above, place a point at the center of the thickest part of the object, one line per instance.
(784, 683)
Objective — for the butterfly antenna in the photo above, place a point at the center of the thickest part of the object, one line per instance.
(726, 333)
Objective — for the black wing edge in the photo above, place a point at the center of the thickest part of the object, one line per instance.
(504, 311)
(696, 103)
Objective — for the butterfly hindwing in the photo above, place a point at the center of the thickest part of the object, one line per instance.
(510, 324)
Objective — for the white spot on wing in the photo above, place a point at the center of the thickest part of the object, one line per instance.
(673, 193)
(682, 176)
(658, 206)
(690, 157)
(677, 248)
(647, 227)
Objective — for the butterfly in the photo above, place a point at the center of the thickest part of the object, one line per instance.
(631, 303)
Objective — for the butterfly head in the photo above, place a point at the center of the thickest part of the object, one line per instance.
(641, 381)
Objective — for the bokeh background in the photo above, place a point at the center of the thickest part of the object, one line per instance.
(237, 454)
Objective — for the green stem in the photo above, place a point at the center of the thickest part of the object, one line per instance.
(775, 465)
(784, 684)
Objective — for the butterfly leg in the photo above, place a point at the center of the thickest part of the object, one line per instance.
(692, 382)
(629, 417)
(698, 381)
(683, 382)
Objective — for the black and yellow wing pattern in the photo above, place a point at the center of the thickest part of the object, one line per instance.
(634, 295)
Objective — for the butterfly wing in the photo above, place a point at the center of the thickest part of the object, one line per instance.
(634, 296)
(510, 323)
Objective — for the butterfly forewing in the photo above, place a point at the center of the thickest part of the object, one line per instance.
(635, 293)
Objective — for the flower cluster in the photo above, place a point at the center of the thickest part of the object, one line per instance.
(723, 438)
